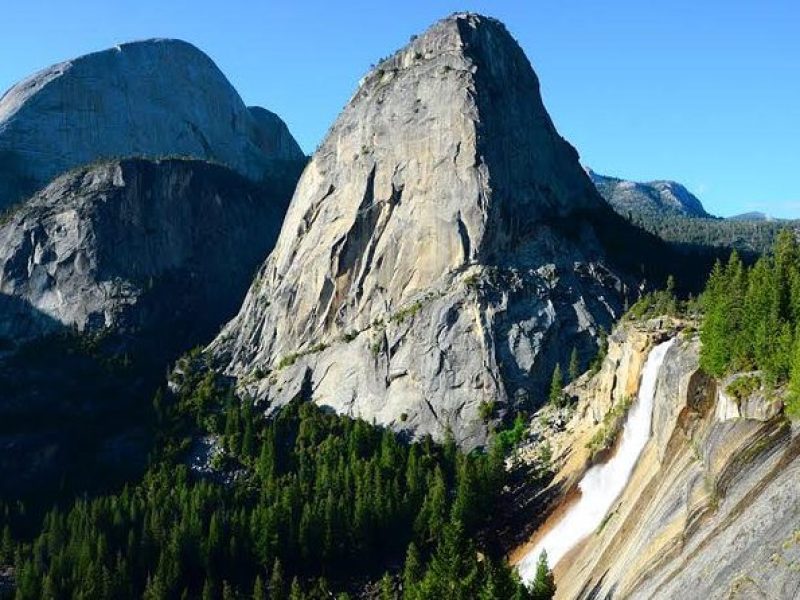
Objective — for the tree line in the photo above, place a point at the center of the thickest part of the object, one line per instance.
(297, 506)
(751, 319)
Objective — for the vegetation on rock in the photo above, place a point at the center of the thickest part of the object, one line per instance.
(606, 434)
(751, 318)
(556, 395)
(305, 501)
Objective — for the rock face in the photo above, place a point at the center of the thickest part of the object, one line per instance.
(443, 249)
(150, 258)
(135, 244)
(654, 198)
(711, 509)
(155, 98)
(273, 137)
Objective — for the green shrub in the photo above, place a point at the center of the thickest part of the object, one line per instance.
(486, 410)
(606, 434)
(350, 336)
(407, 312)
(743, 387)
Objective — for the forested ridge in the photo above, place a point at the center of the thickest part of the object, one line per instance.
(751, 320)
(749, 238)
(299, 505)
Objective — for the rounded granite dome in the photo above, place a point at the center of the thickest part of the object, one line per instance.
(152, 98)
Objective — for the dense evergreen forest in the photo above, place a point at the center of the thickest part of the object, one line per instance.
(749, 238)
(751, 320)
(298, 506)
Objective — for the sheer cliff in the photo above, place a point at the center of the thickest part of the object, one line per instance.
(711, 508)
(134, 244)
(105, 275)
(443, 250)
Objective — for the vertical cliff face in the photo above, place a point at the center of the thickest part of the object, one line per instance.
(440, 250)
(132, 245)
(154, 98)
(146, 257)
(710, 510)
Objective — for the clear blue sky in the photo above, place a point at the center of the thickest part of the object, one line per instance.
(706, 92)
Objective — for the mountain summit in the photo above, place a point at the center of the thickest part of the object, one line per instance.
(442, 250)
(155, 98)
(651, 199)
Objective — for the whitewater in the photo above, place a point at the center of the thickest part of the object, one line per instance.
(602, 484)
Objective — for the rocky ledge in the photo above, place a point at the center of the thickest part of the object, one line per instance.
(711, 509)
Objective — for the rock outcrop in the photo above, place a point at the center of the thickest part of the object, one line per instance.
(651, 199)
(106, 275)
(711, 509)
(443, 250)
(155, 98)
(135, 245)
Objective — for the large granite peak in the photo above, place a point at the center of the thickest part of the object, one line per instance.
(442, 251)
(153, 98)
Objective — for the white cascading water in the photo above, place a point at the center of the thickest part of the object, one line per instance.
(602, 484)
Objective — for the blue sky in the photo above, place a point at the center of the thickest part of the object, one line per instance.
(703, 92)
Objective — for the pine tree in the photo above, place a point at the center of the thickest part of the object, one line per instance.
(259, 591)
(158, 405)
(266, 460)
(556, 387)
(574, 365)
(412, 570)
(227, 591)
(715, 353)
(453, 571)
(214, 541)
(793, 395)
(6, 546)
(277, 588)
(499, 581)
(543, 586)
(295, 591)
(249, 439)
(387, 588)
(465, 504)
(208, 590)
(435, 507)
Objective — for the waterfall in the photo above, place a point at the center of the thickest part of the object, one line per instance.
(602, 484)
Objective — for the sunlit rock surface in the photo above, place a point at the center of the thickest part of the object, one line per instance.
(154, 98)
(712, 509)
(442, 249)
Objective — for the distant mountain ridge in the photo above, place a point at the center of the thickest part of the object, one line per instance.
(660, 197)
(670, 211)
(752, 216)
